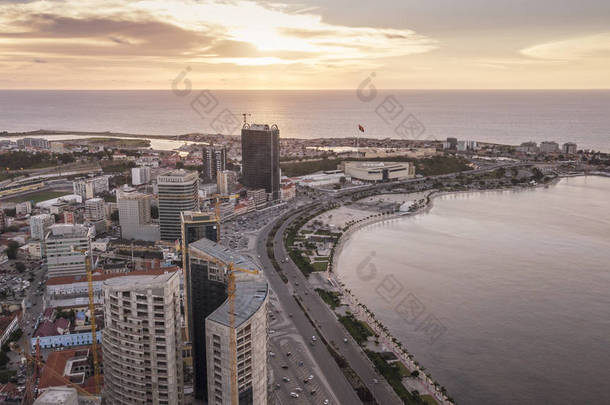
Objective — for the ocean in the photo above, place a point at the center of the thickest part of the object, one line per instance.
(518, 280)
(508, 117)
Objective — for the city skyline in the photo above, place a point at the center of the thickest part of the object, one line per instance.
(304, 45)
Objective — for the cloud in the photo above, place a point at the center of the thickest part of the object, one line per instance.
(212, 31)
(588, 47)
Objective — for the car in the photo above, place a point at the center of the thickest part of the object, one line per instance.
(300, 363)
(313, 339)
(326, 402)
(271, 354)
(298, 389)
(286, 379)
(313, 392)
(284, 366)
(288, 354)
(310, 377)
(344, 340)
(294, 395)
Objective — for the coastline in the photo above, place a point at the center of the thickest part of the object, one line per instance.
(423, 380)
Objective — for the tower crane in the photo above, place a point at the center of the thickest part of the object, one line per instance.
(89, 269)
(217, 198)
(39, 364)
(231, 271)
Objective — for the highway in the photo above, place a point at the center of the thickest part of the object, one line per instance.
(323, 317)
(342, 391)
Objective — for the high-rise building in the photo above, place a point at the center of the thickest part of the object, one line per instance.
(39, 225)
(226, 181)
(195, 226)
(260, 158)
(142, 341)
(214, 161)
(569, 148)
(134, 216)
(218, 345)
(88, 188)
(178, 191)
(2, 221)
(63, 250)
(549, 147)
(140, 175)
(95, 210)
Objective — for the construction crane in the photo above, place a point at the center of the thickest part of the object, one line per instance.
(89, 269)
(246, 115)
(39, 364)
(231, 270)
(217, 197)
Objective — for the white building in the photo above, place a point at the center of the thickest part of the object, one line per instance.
(569, 148)
(178, 191)
(142, 341)
(225, 181)
(322, 179)
(95, 210)
(140, 175)
(134, 216)
(379, 171)
(549, 147)
(62, 250)
(23, 208)
(90, 187)
(39, 225)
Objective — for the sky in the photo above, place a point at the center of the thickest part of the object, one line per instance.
(315, 44)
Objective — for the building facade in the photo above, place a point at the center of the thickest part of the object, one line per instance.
(178, 191)
(569, 148)
(140, 175)
(214, 161)
(212, 333)
(142, 342)
(379, 171)
(549, 147)
(95, 210)
(260, 158)
(39, 225)
(135, 218)
(88, 188)
(63, 247)
(226, 181)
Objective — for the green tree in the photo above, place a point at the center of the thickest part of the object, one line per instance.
(11, 250)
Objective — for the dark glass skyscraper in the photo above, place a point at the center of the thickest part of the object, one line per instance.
(260, 158)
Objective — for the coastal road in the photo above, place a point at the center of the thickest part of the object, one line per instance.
(342, 390)
(326, 321)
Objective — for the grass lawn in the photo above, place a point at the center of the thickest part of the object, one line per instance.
(359, 330)
(404, 371)
(320, 266)
(332, 298)
(428, 400)
(38, 197)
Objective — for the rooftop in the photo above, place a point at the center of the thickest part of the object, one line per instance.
(102, 277)
(250, 290)
(139, 281)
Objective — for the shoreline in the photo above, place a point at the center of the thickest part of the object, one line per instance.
(361, 312)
